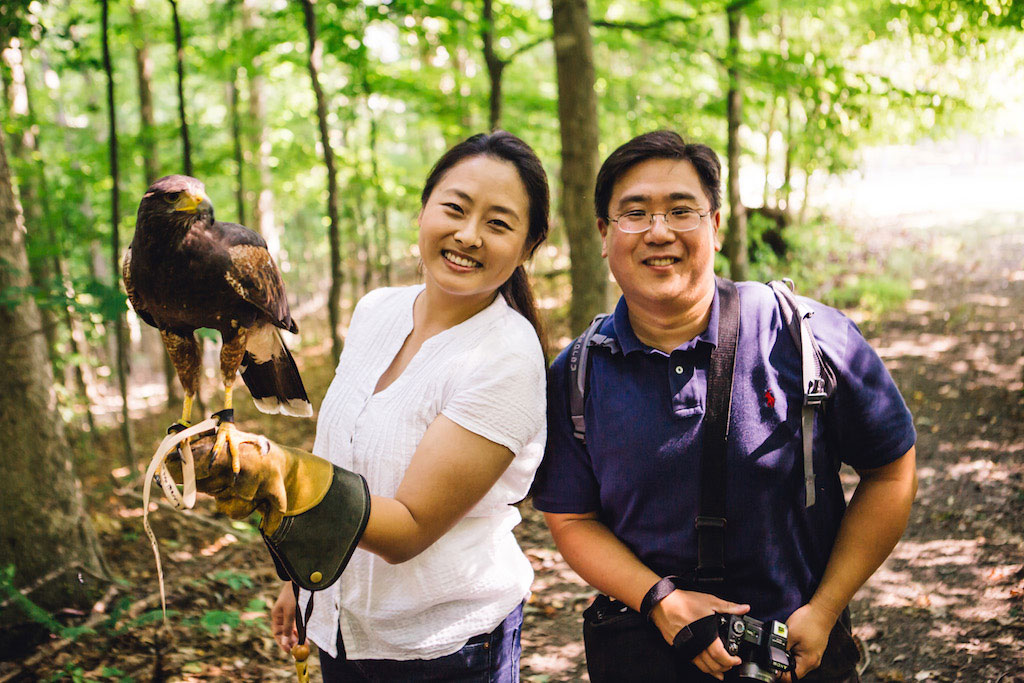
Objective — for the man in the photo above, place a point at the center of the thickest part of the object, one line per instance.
(622, 506)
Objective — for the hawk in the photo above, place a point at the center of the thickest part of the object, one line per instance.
(184, 270)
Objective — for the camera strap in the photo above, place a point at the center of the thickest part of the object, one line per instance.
(711, 517)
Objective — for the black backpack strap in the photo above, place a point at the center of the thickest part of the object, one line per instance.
(818, 377)
(579, 356)
(711, 517)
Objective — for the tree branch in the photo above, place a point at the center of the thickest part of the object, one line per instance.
(526, 47)
(661, 22)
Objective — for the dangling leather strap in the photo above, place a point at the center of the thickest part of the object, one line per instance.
(300, 651)
(711, 519)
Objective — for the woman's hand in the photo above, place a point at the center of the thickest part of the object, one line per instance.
(273, 479)
(282, 619)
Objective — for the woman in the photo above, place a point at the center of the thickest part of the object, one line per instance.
(439, 402)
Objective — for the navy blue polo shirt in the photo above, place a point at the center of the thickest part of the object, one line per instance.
(644, 414)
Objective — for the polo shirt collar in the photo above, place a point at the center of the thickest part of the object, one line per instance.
(621, 330)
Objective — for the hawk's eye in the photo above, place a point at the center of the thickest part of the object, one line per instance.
(171, 197)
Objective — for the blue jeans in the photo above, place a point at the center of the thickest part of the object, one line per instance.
(491, 657)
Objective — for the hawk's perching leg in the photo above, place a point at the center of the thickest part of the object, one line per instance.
(184, 352)
(230, 358)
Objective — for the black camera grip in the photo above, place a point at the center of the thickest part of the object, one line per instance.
(696, 636)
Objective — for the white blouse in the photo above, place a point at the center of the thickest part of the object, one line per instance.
(485, 374)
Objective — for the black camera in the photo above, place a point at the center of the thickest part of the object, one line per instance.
(761, 646)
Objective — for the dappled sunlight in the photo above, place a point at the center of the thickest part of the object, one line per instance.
(218, 545)
(930, 346)
(551, 659)
(130, 513)
(983, 299)
(981, 470)
(918, 306)
(894, 585)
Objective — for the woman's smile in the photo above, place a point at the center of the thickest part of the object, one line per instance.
(461, 262)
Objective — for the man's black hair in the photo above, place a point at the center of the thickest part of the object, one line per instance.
(659, 144)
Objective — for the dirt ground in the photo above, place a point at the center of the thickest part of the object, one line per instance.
(946, 606)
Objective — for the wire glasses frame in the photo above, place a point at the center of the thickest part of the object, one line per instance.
(677, 220)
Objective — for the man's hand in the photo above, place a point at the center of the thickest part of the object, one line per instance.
(682, 608)
(809, 629)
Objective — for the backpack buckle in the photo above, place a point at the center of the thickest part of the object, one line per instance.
(703, 522)
(815, 394)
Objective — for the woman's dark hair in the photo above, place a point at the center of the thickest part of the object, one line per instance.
(504, 146)
(659, 144)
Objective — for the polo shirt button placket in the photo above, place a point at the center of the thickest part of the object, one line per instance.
(679, 369)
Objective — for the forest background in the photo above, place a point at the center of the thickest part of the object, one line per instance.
(315, 124)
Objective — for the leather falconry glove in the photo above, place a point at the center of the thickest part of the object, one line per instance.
(314, 513)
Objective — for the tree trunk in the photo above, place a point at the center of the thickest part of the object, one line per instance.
(179, 47)
(144, 75)
(808, 174)
(150, 160)
(495, 65)
(31, 187)
(768, 150)
(334, 296)
(736, 235)
(83, 374)
(787, 173)
(45, 526)
(463, 107)
(236, 135)
(383, 227)
(115, 242)
(264, 211)
(577, 120)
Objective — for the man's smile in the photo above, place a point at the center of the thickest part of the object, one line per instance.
(660, 261)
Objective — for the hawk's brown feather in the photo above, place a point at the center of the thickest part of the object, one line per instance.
(184, 270)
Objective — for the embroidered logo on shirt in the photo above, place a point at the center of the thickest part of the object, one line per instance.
(769, 398)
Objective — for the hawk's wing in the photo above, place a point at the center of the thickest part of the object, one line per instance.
(253, 273)
(126, 275)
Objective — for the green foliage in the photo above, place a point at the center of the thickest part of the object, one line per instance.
(234, 580)
(256, 605)
(827, 264)
(214, 621)
(406, 78)
(75, 673)
(69, 672)
(9, 593)
(114, 674)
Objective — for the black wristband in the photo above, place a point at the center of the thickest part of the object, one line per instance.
(695, 637)
(658, 592)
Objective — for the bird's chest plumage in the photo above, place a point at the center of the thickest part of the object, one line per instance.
(183, 284)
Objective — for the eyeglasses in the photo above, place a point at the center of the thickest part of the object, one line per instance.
(680, 219)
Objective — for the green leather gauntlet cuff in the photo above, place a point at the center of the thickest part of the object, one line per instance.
(312, 547)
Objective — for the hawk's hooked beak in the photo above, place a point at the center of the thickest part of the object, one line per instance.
(193, 203)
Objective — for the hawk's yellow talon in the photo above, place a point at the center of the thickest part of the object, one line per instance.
(231, 437)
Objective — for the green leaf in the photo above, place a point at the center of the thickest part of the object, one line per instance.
(256, 605)
(234, 580)
(213, 620)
